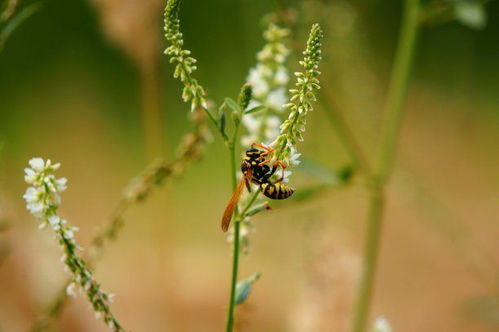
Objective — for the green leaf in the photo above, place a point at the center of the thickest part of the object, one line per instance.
(243, 288)
(14, 22)
(471, 14)
(308, 192)
(255, 109)
(221, 121)
(232, 105)
(324, 174)
(258, 208)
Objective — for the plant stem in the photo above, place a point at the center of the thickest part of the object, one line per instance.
(233, 156)
(235, 261)
(235, 253)
(233, 283)
(393, 113)
(345, 135)
(398, 88)
(152, 121)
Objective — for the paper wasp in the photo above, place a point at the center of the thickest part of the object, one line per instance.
(255, 170)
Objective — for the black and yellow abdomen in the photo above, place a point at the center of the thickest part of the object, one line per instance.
(276, 190)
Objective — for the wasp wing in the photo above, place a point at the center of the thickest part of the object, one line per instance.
(229, 210)
(247, 181)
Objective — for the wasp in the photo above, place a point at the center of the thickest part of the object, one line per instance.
(256, 170)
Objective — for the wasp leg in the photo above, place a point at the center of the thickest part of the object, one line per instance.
(268, 150)
(279, 163)
(261, 146)
(264, 162)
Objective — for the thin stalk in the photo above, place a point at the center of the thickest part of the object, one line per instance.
(151, 111)
(398, 88)
(345, 135)
(233, 283)
(393, 113)
(233, 156)
(235, 253)
(238, 217)
(235, 262)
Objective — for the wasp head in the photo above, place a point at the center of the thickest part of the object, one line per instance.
(253, 153)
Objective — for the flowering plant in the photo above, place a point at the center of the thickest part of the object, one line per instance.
(42, 200)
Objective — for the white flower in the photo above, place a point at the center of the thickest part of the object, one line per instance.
(293, 160)
(37, 164)
(274, 122)
(287, 174)
(34, 199)
(55, 167)
(253, 103)
(43, 194)
(281, 76)
(272, 128)
(32, 195)
(277, 98)
(251, 123)
(70, 290)
(61, 184)
(268, 80)
(382, 325)
(256, 80)
(69, 233)
(37, 209)
(30, 175)
(54, 220)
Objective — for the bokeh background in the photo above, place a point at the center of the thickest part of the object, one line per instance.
(75, 82)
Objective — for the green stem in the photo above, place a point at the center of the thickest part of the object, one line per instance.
(235, 266)
(235, 254)
(216, 124)
(235, 262)
(345, 135)
(211, 117)
(398, 88)
(233, 155)
(393, 112)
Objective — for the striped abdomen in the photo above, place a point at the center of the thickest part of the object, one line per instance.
(276, 190)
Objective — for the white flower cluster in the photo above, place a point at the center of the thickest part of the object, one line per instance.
(42, 200)
(268, 80)
(382, 325)
(246, 228)
(42, 197)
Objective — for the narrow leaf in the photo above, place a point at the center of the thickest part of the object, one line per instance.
(326, 175)
(221, 122)
(258, 208)
(232, 104)
(255, 109)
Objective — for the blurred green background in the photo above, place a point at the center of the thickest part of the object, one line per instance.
(74, 81)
